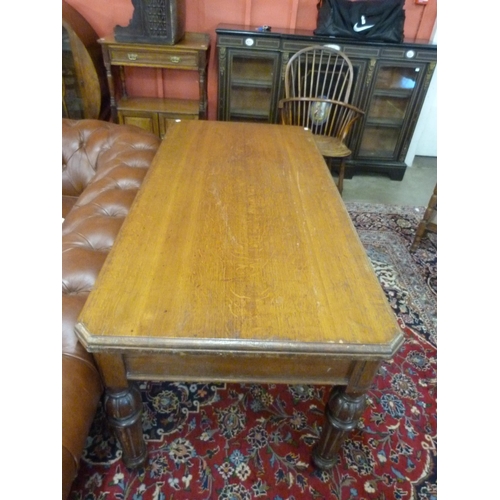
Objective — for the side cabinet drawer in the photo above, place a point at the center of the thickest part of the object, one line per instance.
(249, 42)
(139, 57)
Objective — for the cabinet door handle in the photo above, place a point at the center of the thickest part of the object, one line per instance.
(175, 59)
(333, 46)
(131, 56)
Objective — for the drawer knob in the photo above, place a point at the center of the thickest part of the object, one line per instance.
(175, 59)
(131, 56)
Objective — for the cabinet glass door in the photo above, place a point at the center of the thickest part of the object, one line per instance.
(251, 87)
(389, 109)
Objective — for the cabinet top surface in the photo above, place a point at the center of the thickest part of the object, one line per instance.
(191, 40)
(239, 239)
(300, 34)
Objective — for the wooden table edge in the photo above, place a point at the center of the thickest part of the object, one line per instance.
(236, 347)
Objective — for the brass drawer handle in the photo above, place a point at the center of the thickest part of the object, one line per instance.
(132, 57)
(175, 59)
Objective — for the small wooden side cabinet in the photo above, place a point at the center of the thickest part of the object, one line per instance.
(152, 113)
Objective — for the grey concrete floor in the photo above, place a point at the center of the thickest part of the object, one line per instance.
(414, 190)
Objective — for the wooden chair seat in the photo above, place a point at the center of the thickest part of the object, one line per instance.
(331, 146)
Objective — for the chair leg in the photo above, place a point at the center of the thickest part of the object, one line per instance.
(426, 224)
(419, 233)
(340, 183)
(340, 180)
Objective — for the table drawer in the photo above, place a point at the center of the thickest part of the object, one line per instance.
(141, 57)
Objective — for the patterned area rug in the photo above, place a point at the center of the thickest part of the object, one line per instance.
(248, 441)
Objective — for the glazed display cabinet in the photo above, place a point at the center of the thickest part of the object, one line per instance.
(390, 84)
(249, 81)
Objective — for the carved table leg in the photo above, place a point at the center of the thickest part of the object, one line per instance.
(124, 409)
(344, 407)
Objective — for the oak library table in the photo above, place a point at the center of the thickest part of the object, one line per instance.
(238, 262)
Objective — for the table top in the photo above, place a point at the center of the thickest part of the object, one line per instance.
(238, 240)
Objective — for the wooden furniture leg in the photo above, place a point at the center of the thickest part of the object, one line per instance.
(341, 174)
(428, 222)
(345, 406)
(124, 409)
(340, 183)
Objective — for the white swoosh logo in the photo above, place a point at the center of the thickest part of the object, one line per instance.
(363, 27)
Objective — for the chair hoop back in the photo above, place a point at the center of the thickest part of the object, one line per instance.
(319, 71)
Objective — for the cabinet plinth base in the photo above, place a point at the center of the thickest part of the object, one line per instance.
(395, 173)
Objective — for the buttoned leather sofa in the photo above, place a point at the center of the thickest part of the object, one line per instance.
(103, 166)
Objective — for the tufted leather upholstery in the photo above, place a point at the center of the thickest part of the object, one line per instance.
(103, 165)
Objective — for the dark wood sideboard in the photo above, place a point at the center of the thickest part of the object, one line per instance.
(391, 81)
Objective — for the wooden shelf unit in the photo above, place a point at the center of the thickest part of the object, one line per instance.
(152, 113)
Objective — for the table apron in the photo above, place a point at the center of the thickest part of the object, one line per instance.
(224, 367)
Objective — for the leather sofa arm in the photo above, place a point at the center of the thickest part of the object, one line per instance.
(104, 165)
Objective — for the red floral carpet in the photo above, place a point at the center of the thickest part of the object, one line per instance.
(248, 441)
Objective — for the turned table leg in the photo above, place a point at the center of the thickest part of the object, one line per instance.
(124, 409)
(345, 406)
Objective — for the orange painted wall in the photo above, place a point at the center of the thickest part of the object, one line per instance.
(205, 15)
